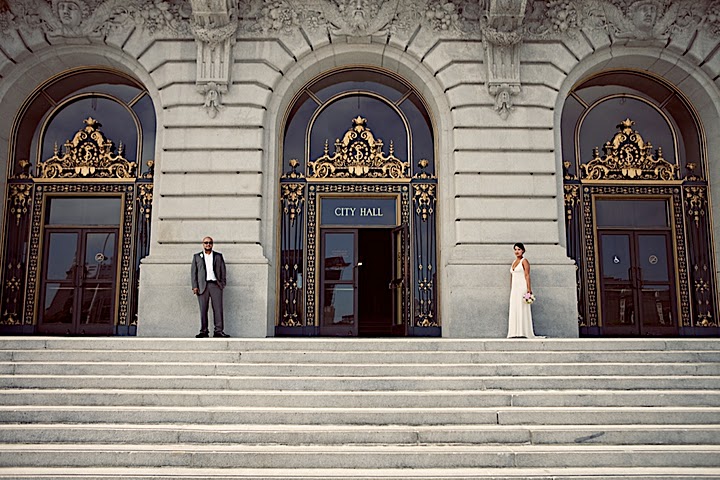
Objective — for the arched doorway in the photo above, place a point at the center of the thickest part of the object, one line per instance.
(79, 193)
(637, 208)
(358, 190)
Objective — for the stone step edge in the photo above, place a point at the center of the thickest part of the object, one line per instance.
(674, 473)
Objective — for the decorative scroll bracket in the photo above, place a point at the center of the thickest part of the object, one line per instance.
(214, 25)
(628, 157)
(502, 39)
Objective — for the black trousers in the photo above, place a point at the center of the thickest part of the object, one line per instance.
(215, 294)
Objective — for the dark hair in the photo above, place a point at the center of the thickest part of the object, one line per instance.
(520, 246)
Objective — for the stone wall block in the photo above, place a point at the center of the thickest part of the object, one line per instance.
(479, 208)
(215, 183)
(542, 74)
(211, 161)
(140, 41)
(578, 45)
(210, 138)
(469, 94)
(14, 47)
(502, 139)
(457, 73)
(171, 52)
(36, 39)
(169, 309)
(222, 230)
(506, 185)
(172, 71)
(505, 162)
(118, 36)
(448, 51)
(521, 117)
(271, 51)
(598, 38)
(231, 116)
(423, 42)
(255, 72)
(187, 94)
(536, 95)
(701, 48)
(495, 231)
(553, 53)
(318, 37)
(215, 206)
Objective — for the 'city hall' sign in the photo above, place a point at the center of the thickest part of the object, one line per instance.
(358, 211)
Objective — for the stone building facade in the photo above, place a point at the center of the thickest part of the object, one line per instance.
(584, 128)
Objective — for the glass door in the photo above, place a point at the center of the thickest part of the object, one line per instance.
(78, 281)
(400, 280)
(338, 283)
(637, 283)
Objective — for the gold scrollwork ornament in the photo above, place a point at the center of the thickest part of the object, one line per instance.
(88, 155)
(628, 157)
(359, 154)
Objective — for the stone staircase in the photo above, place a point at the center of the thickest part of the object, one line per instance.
(137, 408)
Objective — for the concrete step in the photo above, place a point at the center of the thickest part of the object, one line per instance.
(340, 383)
(364, 416)
(357, 357)
(361, 370)
(359, 456)
(376, 399)
(198, 473)
(127, 433)
(361, 344)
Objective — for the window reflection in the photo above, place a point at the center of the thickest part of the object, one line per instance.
(84, 211)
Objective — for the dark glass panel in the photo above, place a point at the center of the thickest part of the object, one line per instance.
(689, 142)
(100, 255)
(58, 303)
(600, 126)
(62, 256)
(631, 213)
(126, 93)
(570, 116)
(362, 80)
(615, 257)
(653, 258)
(84, 211)
(29, 129)
(339, 305)
(656, 305)
(615, 83)
(97, 300)
(618, 307)
(339, 256)
(294, 143)
(422, 135)
(116, 124)
(336, 119)
(145, 112)
(98, 80)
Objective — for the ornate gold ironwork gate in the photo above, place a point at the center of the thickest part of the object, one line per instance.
(358, 168)
(88, 168)
(631, 173)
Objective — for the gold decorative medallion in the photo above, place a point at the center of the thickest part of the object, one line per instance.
(358, 155)
(628, 157)
(88, 155)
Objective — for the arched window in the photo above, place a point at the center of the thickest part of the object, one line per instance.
(80, 192)
(358, 142)
(637, 212)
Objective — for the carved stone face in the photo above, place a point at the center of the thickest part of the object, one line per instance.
(69, 12)
(644, 15)
(356, 13)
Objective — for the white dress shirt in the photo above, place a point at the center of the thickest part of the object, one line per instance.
(209, 267)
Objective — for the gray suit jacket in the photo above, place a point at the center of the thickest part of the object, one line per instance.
(198, 274)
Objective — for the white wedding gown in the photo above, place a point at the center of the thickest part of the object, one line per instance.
(520, 321)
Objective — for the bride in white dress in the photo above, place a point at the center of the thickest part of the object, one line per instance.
(520, 319)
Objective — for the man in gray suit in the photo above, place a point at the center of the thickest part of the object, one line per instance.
(207, 275)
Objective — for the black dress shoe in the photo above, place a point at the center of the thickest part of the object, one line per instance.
(202, 335)
(221, 335)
